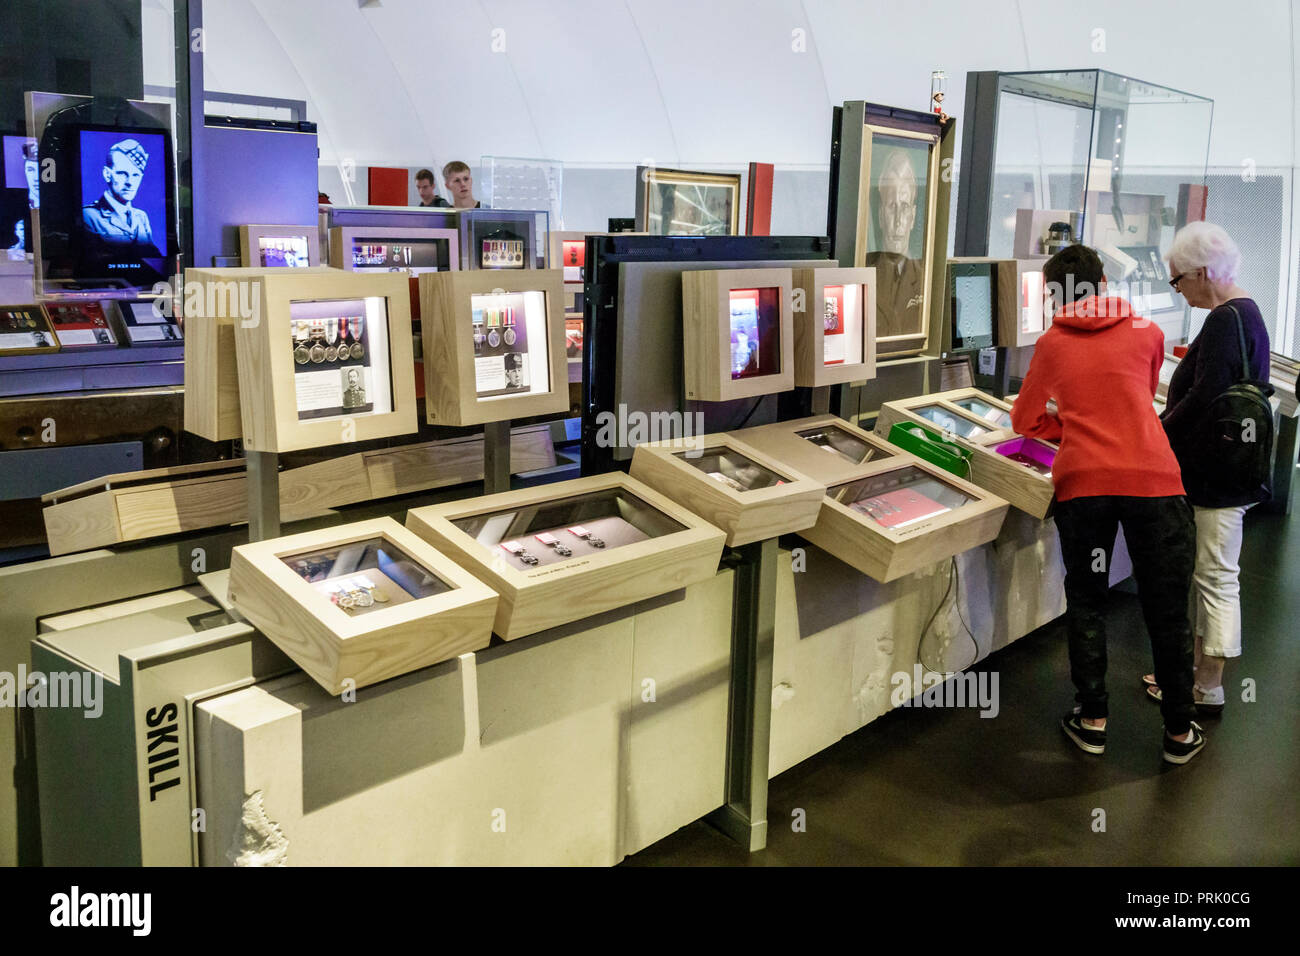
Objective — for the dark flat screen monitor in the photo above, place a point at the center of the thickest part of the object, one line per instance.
(972, 291)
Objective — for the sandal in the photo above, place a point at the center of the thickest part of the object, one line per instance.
(1153, 691)
(1149, 680)
(1205, 703)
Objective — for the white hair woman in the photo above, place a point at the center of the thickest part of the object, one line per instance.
(1204, 262)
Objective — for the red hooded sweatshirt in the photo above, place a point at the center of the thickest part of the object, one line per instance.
(1101, 362)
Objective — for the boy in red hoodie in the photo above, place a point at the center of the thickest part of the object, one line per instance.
(1098, 366)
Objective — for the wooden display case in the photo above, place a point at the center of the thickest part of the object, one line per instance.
(1012, 467)
(297, 390)
(471, 324)
(893, 519)
(1007, 315)
(731, 485)
(819, 359)
(738, 333)
(211, 370)
(272, 247)
(825, 447)
(1026, 324)
(658, 547)
(423, 608)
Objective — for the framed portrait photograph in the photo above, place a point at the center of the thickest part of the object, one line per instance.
(896, 227)
(674, 202)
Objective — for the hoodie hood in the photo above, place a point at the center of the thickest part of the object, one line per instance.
(1095, 313)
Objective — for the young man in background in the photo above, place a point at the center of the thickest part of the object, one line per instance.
(460, 185)
(1090, 386)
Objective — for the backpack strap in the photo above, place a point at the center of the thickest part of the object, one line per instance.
(1241, 341)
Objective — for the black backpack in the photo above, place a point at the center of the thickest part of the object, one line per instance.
(1238, 433)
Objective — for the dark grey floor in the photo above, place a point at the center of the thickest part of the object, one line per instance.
(945, 787)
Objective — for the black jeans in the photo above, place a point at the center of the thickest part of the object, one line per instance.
(1161, 538)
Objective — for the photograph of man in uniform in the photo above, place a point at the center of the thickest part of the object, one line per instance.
(112, 219)
(900, 290)
(354, 393)
(515, 370)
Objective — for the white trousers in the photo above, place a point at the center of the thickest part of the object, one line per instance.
(1216, 588)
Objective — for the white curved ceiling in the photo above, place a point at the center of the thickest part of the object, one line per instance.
(714, 82)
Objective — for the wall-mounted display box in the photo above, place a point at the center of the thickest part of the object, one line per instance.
(825, 447)
(562, 552)
(503, 239)
(731, 485)
(1013, 467)
(1033, 314)
(323, 356)
(393, 249)
(25, 330)
(738, 333)
(272, 247)
(360, 602)
(892, 520)
(211, 371)
(493, 346)
(980, 303)
(835, 334)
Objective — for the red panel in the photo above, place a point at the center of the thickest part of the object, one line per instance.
(758, 210)
(388, 186)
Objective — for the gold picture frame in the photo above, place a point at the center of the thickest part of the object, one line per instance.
(699, 194)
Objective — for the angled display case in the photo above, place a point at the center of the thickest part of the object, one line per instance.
(835, 330)
(1011, 466)
(26, 330)
(562, 552)
(890, 521)
(394, 249)
(493, 346)
(886, 512)
(360, 602)
(731, 485)
(737, 333)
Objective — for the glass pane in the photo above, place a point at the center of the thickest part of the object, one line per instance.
(341, 357)
(990, 413)
(276, 251)
(755, 332)
(1031, 453)
(378, 254)
(732, 469)
(365, 576)
(839, 441)
(900, 498)
(842, 339)
(510, 347)
(951, 423)
(553, 531)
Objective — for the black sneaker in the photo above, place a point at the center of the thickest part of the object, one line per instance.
(1178, 751)
(1085, 738)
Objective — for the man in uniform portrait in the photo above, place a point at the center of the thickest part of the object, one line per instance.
(900, 280)
(112, 219)
(354, 396)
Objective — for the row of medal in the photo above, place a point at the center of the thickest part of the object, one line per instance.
(317, 340)
(551, 541)
(494, 318)
(19, 320)
(503, 252)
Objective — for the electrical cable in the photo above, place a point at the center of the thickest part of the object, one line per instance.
(745, 420)
(954, 579)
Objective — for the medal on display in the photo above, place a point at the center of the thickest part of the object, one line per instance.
(356, 325)
(509, 336)
(301, 355)
(494, 338)
(517, 549)
(317, 353)
(551, 541)
(331, 331)
(357, 350)
(331, 353)
(578, 531)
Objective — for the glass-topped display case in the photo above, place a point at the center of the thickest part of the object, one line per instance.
(1085, 156)
(565, 551)
(504, 238)
(730, 484)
